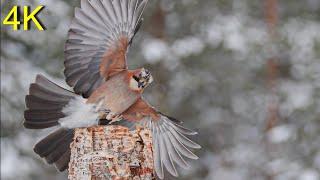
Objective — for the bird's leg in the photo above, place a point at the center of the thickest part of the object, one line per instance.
(116, 118)
(106, 114)
(103, 117)
(110, 118)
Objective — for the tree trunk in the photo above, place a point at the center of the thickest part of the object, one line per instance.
(111, 152)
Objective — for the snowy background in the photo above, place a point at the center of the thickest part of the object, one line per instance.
(254, 97)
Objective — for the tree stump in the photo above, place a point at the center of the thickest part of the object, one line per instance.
(111, 152)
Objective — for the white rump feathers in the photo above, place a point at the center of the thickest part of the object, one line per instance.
(79, 114)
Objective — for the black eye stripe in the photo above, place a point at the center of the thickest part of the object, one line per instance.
(136, 78)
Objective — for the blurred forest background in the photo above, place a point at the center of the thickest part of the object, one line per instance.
(245, 74)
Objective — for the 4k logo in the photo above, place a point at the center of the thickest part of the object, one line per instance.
(14, 16)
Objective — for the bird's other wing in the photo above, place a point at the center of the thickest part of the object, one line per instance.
(170, 144)
(98, 41)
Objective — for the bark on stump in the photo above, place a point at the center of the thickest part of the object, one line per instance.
(111, 152)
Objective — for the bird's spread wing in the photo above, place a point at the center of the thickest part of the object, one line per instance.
(170, 144)
(98, 40)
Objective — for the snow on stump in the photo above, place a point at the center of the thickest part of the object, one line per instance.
(111, 152)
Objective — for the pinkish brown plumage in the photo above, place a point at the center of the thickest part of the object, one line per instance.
(116, 94)
(104, 89)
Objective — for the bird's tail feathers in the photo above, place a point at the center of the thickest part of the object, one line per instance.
(45, 103)
(55, 148)
(49, 105)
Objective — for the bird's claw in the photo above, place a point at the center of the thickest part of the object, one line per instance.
(105, 114)
(116, 118)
